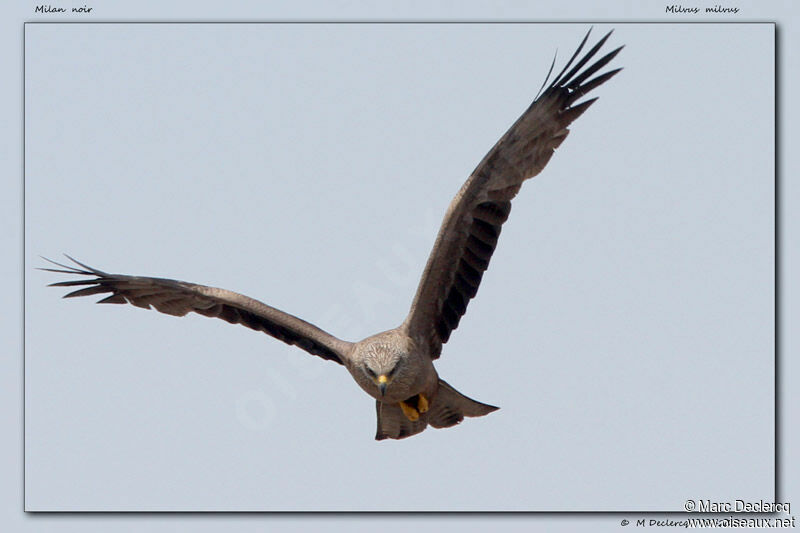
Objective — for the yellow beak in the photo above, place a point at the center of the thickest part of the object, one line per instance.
(382, 379)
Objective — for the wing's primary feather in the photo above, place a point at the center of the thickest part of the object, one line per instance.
(473, 221)
(179, 298)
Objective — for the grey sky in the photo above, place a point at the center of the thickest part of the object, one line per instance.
(624, 327)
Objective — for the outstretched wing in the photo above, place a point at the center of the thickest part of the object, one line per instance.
(472, 224)
(178, 298)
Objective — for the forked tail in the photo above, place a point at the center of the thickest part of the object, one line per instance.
(447, 408)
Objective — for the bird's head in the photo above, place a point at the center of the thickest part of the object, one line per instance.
(382, 365)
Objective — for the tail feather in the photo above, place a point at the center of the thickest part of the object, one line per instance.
(447, 408)
(393, 424)
(451, 407)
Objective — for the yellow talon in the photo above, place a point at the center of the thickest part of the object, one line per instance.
(411, 413)
(422, 403)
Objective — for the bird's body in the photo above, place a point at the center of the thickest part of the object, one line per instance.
(415, 373)
(396, 367)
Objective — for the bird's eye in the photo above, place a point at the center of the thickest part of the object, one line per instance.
(392, 371)
(370, 372)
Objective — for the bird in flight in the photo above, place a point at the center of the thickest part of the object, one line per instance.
(396, 367)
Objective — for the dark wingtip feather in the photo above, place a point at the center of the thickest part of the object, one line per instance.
(113, 299)
(574, 55)
(565, 79)
(597, 65)
(572, 113)
(72, 283)
(69, 269)
(88, 291)
(597, 82)
(60, 271)
(546, 78)
(87, 267)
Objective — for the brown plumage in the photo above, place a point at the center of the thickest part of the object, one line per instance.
(396, 366)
